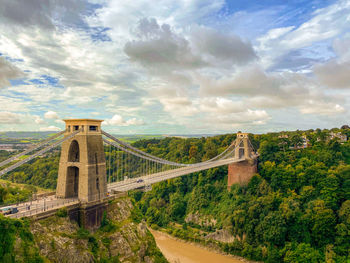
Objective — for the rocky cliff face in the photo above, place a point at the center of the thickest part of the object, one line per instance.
(120, 239)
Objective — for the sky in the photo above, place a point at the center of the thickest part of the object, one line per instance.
(175, 66)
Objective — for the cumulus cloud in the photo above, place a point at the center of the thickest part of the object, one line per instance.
(14, 104)
(252, 80)
(38, 120)
(161, 49)
(221, 105)
(222, 48)
(335, 72)
(51, 115)
(256, 117)
(322, 108)
(40, 13)
(50, 128)
(118, 120)
(10, 118)
(8, 72)
(170, 64)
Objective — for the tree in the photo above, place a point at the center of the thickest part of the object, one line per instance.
(3, 194)
(303, 253)
(177, 207)
(193, 153)
(322, 221)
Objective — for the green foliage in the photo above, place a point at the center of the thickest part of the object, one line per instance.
(10, 229)
(295, 210)
(14, 194)
(3, 194)
(41, 172)
(106, 224)
(62, 212)
(302, 253)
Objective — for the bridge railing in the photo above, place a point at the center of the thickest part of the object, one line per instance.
(32, 208)
(43, 206)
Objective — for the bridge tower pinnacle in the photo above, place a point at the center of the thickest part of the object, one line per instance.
(82, 167)
(241, 172)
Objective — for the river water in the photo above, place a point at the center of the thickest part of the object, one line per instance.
(177, 251)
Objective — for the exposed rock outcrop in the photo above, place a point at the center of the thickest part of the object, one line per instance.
(119, 240)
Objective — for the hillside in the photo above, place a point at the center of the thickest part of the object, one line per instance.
(296, 209)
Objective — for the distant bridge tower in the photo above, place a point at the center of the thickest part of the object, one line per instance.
(82, 168)
(242, 172)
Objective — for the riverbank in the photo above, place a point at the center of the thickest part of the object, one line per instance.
(179, 251)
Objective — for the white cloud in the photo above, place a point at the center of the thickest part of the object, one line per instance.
(321, 108)
(118, 120)
(60, 121)
(50, 128)
(326, 23)
(172, 61)
(14, 104)
(51, 115)
(38, 120)
(257, 117)
(10, 118)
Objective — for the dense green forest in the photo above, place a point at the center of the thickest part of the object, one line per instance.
(296, 209)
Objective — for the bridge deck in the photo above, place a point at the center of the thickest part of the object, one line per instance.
(142, 181)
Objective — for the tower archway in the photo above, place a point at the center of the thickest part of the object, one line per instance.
(74, 153)
(72, 185)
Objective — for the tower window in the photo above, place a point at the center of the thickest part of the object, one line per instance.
(76, 127)
(92, 128)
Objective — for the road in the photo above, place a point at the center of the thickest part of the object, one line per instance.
(143, 181)
(41, 205)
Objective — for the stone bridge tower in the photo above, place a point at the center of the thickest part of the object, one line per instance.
(242, 172)
(82, 168)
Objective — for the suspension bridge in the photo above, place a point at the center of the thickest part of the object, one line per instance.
(95, 165)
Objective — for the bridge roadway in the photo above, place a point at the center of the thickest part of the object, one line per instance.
(146, 180)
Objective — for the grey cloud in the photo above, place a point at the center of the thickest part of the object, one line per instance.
(7, 72)
(40, 13)
(250, 81)
(259, 89)
(223, 47)
(161, 49)
(334, 74)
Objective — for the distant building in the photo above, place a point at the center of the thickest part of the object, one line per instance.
(10, 147)
(306, 142)
(338, 135)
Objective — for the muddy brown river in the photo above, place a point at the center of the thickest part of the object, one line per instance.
(177, 251)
